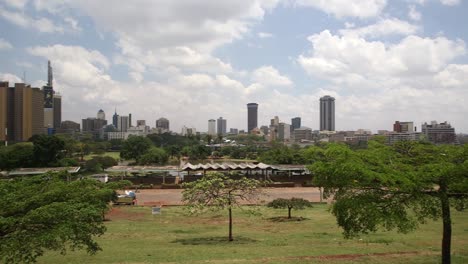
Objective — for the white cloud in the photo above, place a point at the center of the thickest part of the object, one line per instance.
(11, 78)
(17, 4)
(413, 14)
(269, 76)
(265, 35)
(454, 75)
(350, 59)
(5, 44)
(450, 2)
(389, 26)
(346, 8)
(43, 25)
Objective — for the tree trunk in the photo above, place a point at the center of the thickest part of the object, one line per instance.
(447, 223)
(230, 224)
(289, 212)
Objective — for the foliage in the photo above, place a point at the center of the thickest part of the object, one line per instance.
(16, 156)
(98, 163)
(396, 186)
(281, 154)
(154, 156)
(216, 191)
(293, 203)
(46, 213)
(135, 147)
(196, 152)
(47, 149)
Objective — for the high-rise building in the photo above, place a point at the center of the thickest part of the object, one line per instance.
(233, 131)
(3, 110)
(21, 112)
(295, 123)
(68, 127)
(115, 118)
(264, 130)
(93, 125)
(284, 132)
(101, 114)
(162, 125)
(252, 116)
(50, 75)
(212, 127)
(141, 123)
(123, 123)
(327, 113)
(222, 124)
(302, 134)
(442, 133)
(403, 127)
(48, 106)
(57, 111)
(130, 120)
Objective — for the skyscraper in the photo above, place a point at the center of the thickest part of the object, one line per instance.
(115, 118)
(50, 75)
(327, 113)
(101, 114)
(123, 124)
(252, 116)
(295, 123)
(212, 127)
(57, 111)
(222, 124)
(21, 112)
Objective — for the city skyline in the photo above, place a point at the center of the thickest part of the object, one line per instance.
(382, 60)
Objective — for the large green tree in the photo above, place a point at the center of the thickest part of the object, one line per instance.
(135, 147)
(394, 187)
(16, 156)
(47, 149)
(154, 156)
(216, 191)
(47, 213)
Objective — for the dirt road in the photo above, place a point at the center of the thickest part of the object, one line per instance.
(173, 197)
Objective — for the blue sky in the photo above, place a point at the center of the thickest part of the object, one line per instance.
(191, 61)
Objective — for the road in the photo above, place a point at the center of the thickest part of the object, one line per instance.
(174, 196)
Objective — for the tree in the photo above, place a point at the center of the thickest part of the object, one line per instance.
(45, 212)
(216, 191)
(98, 163)
(134, 147)
(47, 149)
(293, 203)
(154, 156)
(396, 186)
(16, 156)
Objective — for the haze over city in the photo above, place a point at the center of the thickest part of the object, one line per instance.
(193, 61)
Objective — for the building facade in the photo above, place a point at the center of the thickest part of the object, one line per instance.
(162, 125)
(57, 111)
(403, 127)
(221, 126)
(101, 115)
(327, 113)
(442, 133)
(252, 116)
(295, 123)
(123, 124)
(212, 127)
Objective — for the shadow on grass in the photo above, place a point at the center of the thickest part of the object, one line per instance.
(286, 219)
(214, 240)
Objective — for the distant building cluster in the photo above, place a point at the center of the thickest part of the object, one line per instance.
(27, 111)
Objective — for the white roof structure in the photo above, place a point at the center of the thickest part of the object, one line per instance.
(227, 166)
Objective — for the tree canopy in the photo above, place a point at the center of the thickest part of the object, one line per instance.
(135, 147)
(46, 213)
(293, 203)
(216, 191)
(394, 187)
(47, 149)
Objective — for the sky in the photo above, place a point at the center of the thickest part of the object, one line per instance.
(195, 60)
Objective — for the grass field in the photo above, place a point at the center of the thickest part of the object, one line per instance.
(135, 236)
(115, 155)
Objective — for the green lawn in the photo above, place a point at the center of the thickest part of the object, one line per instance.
(135, 236)
(115, 155)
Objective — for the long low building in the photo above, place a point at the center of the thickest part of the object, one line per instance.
(36, 171)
